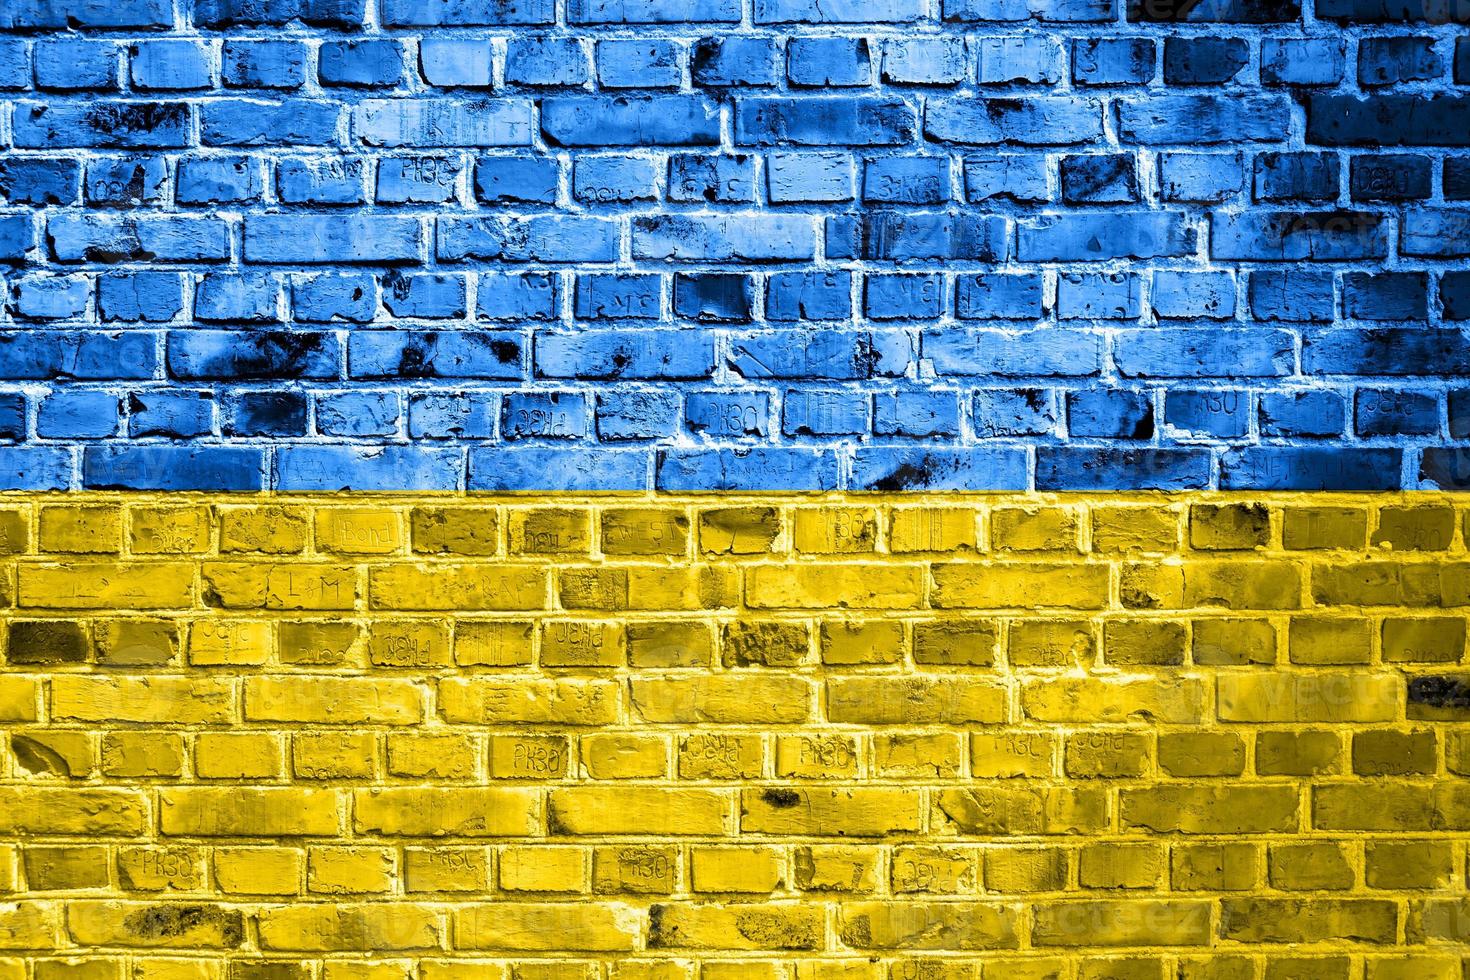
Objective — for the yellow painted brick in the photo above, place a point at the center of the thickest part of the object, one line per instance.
(437, 812)
(941, 529)
(457, 588)
(835, 530)
(1117, 529)
(785, 925)
(57, 752)
(18, 698)
(1326, 640)
(434, 756)
(914, 925)
(333, 700)
(180, 700)
(265, 529)
(917, 755)
(849, 642)
(257, 585)
(175, 968)
(822, 812)
(1396, 864)
(15, 530)
(350, 870)
(1012, 754)
(1020, 586)
(249, 812)
(991, 810)
(114, 923)
(669, 643)
(635, 869)
(1176, 698)
(758, 643)
(1229, 867)
(644, 531)
(230, 642)
(1194, 754)
(1144, 643)
(80, 968)
(237, 755)
(1112, 922)
(651, 970)
(847, 586)
(736, 869)
(333, 755)
(1020, 870)
(107, 585)
(739, 530)
(74, 868)
(408, 643)
(723, 698)
(159, 869)
(1310, 866)
(915, 700)
(137, 642)
(712, 755)
(164, 530)
(326, 928)
(1309, 528)
(550, 531)
(1439, 639)
(1121, 865)
(358, 531)
(259, 870)
(1301, 753)
(673, 587)
(817, 756)
(557, 927)
(529, 756)
(648, 810)
(834, 868)
(923, 869)
(579, 643)
(956, 642)
(1107, 753)
(483, 700)
(1331, 697)
(378, 970)
(463, 969)
(455, 530)
(543, 869)
(1414, 528)
(1210, 809)
(1229, 527)
(616, 755)
(319, 643)
(492, 643)
(1034, 529)
(1222, 642)
(1051, 643)
(80, 529)
(147, 755)
(446, 869)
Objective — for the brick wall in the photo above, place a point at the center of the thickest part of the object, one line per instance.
(634, 738)
(695, 244)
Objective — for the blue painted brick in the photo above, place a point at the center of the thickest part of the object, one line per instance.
(1218, 413)
(169, 64)
(453, 415)
(516, 296)
(138, 296)
(652, 63)
(560, 469)
(333, 468)
(171, 413)
(1110, 414)
(301, 231)
(728, 414)
(1301, 414)
(357, 414)
(812, 412)
(165, 467)
(1004, 413)
(271, 414)
(40, 180)
(1379, 412)
(917, 414)
(78, 415)
(758, 468)
(263, 64)
(374, 63)
(637, 413)
(545, 415)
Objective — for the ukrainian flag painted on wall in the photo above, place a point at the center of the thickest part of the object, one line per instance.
(734, 490)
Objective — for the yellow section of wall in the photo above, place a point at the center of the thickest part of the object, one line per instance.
(1085, 737)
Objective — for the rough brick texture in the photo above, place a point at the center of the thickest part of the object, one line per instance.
(749, 244)
(633, 738)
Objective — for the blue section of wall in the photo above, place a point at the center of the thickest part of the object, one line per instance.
(701, 244)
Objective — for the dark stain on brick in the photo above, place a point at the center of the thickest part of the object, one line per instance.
(173, 921)
(905, 476)
(781, 799)
(1441, 692)
(47, 641)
